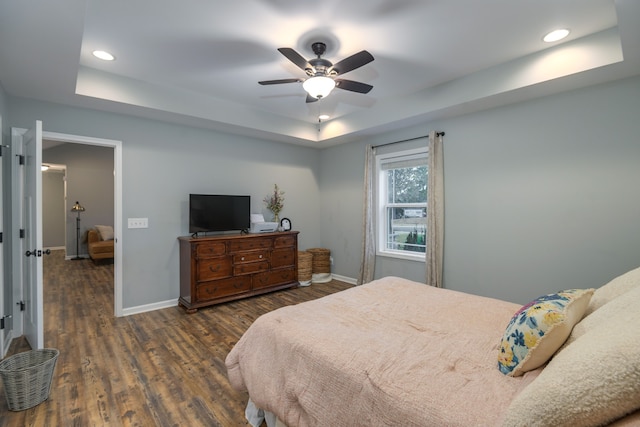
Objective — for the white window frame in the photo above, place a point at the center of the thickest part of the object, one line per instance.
(381, 197)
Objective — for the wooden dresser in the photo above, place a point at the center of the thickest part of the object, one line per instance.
(222, 268)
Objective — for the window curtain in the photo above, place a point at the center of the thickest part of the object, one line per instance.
(435, 211)
(368, 264)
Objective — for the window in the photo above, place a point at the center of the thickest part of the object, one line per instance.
(402, 204)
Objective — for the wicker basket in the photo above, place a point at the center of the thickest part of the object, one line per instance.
(321, 265)
(305, 267)
(26, 377)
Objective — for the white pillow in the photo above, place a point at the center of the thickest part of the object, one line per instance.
(598, 319)
(613, 289)
(591, 381)
(105, 231)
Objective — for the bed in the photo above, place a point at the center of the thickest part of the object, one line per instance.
(396, 352)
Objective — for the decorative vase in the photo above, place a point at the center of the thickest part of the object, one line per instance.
(276, 218)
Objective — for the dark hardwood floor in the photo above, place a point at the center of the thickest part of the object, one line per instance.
(161, 368)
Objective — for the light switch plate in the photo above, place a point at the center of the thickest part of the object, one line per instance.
(138, 222)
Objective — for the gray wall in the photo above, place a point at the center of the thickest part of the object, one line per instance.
(90, 181)
(162, 164)
(539, 196)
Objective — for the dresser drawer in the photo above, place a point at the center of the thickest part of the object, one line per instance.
(250, 257)
(282, 258)
(250, 244)
(223, 288)
(210, 249)
(284, 242)
(273, 278)
(252, 267)
(213, 268)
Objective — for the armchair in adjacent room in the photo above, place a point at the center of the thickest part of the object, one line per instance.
(100, 241)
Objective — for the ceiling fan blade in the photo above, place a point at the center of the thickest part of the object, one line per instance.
(311, 99)
(277, 82)
(352, 62)
(295, 57)
(353, 86)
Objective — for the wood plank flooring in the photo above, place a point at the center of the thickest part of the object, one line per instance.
(162, 368)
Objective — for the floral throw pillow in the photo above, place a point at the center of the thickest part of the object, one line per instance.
(539, 328)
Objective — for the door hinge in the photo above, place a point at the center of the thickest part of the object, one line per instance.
(0, 236)
(21, 233)
(20, 159)
(8, 316)
(21, 304)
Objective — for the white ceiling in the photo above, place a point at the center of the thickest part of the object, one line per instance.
(198, 62)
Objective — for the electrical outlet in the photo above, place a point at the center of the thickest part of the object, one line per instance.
(138, 222)
(331, 260)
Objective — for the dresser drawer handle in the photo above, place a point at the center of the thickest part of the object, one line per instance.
(242, 259)
(216, 269)
(260, 256)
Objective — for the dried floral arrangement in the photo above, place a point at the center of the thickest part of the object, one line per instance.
(275, 201)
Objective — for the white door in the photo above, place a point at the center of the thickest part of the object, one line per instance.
(32, 296)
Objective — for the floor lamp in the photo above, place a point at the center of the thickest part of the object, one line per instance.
(77, 208)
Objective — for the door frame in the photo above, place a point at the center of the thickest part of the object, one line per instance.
(5, 333)
(117, 202)
(17, 243)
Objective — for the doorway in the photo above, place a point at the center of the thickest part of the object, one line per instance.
(102, 197)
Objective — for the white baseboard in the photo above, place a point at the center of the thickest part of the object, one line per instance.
(150, 307)
(345, 279)
(69, 257)
(174, 302)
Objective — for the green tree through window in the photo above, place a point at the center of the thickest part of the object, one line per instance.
(402, 214)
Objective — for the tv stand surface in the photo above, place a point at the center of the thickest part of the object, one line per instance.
(217, 269)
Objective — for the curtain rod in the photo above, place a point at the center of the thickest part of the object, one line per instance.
(406, 140)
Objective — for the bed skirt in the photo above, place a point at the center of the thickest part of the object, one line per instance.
(255, 416)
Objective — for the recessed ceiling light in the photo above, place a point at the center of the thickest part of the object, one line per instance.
(556, 35)
(323, 117)
(104, 55)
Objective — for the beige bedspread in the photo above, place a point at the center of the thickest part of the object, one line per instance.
(387, 352)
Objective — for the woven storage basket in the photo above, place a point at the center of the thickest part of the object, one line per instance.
(26, 377)
(321, 265)
(305, 267)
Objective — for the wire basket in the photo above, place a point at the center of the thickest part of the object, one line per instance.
(305, 267)
(321, 260)
(26, 377)
(321, 265)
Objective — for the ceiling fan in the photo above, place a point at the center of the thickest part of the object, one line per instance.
(322, 73)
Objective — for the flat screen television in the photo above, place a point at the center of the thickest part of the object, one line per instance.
(218, 212)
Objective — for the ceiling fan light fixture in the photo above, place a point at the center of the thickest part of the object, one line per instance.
(319, 86)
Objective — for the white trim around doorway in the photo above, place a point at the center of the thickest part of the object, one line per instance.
(117, 226)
